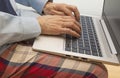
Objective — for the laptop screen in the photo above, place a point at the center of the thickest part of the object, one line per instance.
(111, 16)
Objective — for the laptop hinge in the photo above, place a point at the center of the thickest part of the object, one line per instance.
(108, 37)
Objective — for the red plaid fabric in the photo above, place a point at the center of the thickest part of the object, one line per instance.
(20, 61)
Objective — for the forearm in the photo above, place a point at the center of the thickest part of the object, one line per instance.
(15, 28)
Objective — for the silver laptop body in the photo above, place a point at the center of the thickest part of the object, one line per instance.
(99, 41)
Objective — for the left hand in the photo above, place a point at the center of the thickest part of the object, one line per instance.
(61, 9)
(59, 25)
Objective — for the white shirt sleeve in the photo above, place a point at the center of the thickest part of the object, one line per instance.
(16, 28)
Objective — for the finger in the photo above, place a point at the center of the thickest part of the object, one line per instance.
(68, 12)
(69, 19)
(70, 32)
(68, 22)
(58, 13)
(78, 24)
(75, 11)
(72, 26)
(74, 21)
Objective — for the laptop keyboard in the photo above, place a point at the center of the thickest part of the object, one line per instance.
(87, 43)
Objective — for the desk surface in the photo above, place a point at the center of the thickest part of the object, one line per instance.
(113, 71)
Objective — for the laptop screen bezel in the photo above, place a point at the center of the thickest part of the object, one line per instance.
(115, 42)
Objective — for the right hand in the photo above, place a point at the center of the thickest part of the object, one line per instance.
(59, 25)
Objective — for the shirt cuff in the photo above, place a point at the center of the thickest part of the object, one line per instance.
(38, 5)
(31, 28)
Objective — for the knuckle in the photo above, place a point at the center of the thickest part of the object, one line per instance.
(62, 4)
(62, 24)
(69, 17)
(61, 31)
(72, 23)
(73, 20)
(67, 30)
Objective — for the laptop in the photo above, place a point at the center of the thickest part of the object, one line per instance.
(99, 41)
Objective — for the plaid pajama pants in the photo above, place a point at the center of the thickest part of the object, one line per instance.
(20, 61)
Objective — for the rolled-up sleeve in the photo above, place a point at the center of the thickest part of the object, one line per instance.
(38, 5)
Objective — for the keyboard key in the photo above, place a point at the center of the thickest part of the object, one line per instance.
(74, 45)
(87, 52)
(68, 43)
(74, 49)
(67, 49)
(94, 53)
(81, 51)
(100, 54)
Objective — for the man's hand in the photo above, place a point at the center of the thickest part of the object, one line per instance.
(61, 9)
(58, 25)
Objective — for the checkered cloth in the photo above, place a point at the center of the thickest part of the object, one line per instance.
(20, 61)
